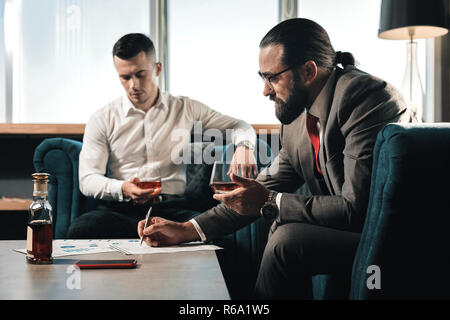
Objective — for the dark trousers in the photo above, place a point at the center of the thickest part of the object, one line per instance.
(297, 251)
(119, 220)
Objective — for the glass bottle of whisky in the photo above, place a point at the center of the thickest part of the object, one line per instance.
(39, 230)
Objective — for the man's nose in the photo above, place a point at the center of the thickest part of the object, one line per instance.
(268, 89)
(134, 84)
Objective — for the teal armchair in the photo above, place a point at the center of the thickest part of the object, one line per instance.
(407, 228)
(404, 251)
(59, 157)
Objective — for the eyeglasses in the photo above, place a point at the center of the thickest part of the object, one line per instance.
(269, 77)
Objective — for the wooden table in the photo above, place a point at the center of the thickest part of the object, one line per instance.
(166, 276)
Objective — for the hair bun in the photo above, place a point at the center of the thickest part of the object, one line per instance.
(338, 57)
(344, 58)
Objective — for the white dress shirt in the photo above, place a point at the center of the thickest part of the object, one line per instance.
(122, 138)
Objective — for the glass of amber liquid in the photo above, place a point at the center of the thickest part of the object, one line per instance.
(149, 177)
(220, 181)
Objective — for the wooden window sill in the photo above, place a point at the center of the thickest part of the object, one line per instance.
(14, 204)
(55, 129)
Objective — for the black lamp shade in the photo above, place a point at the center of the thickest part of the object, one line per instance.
(406, 19)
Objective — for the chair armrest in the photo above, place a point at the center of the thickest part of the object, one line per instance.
(406, 228)
(59, 158)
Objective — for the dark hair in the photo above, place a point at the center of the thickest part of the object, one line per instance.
(130, 45)
(305, 40)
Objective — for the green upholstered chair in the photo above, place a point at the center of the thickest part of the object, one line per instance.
(59, 157)
(405, 241)
(407, 228)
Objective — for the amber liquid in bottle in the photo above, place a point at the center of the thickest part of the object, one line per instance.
(40, 234)
(39, 230)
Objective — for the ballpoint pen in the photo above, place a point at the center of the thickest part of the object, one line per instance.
(147, 218)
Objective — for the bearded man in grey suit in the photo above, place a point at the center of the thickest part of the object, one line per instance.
(331, 113)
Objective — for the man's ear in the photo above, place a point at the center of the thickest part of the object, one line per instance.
(309, 72)
(158, 68)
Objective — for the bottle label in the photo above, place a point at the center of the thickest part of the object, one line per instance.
(29, 239)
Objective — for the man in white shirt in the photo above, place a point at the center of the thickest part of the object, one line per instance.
(143, 127)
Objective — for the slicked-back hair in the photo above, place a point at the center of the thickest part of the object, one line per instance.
(305, 40)
(130, 45)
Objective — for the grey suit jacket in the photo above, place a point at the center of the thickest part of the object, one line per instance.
(353, 107)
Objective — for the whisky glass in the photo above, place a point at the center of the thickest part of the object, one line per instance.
(220, 181)
(149, 177)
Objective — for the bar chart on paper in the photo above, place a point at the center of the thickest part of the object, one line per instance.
(63, 248)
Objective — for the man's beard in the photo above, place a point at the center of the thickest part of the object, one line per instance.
(295, 104)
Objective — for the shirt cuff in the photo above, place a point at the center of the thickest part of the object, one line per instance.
(116, 190)
(244, 134)
(198, 229)
(278, 200)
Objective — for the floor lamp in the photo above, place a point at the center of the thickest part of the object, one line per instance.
(409, 20)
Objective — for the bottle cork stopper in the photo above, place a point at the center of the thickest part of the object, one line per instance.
(41, 176)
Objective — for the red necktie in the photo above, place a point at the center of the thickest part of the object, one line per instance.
(313, 132)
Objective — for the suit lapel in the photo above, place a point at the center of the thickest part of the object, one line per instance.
(324, 116)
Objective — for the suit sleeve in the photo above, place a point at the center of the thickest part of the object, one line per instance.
(361, 116)
(280, 176)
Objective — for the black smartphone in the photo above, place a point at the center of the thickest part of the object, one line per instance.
(105, 264)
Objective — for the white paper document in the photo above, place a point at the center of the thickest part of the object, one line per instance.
(133, 247)
(63, 248)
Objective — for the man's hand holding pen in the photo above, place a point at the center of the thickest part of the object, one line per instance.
(162, 232)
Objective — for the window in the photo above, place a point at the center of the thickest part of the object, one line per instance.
(63, 68)
(358, 34)
(213, 54)
(2, 65)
